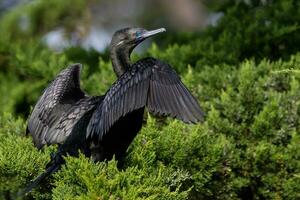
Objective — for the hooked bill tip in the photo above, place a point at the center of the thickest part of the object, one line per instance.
(161, 30)
(153, 32)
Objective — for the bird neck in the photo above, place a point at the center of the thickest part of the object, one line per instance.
(120, 58)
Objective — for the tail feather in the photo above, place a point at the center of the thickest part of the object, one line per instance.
(52, 167)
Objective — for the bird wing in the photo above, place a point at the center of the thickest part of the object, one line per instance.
(74, 119)
(150, 83)
(57, 99)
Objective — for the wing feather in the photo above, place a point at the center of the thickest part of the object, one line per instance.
(67, 122)
(149, 83)
(56, 99)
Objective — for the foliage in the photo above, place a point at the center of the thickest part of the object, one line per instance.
(31, 20)
(106, 181)
(249, 88)
(19, 160)
(247, 29)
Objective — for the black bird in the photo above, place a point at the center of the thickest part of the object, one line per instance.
(104, 126)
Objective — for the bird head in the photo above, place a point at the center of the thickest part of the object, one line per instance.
(129, 38)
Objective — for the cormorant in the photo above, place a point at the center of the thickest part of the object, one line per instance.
(104, 126)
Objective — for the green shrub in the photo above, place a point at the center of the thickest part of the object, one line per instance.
(34, 19)
(248, 145)
(247, 29)
(83, 179)
(20, 161)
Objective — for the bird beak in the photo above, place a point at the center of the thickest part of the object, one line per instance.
(153, 32)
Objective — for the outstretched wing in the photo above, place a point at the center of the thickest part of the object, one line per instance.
(73, 122)
(57, 99)
(150, 83)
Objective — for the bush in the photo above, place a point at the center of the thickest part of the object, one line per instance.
(255, 29)
(106, 181)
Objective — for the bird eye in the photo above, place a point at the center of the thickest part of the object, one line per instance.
(138, 34)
